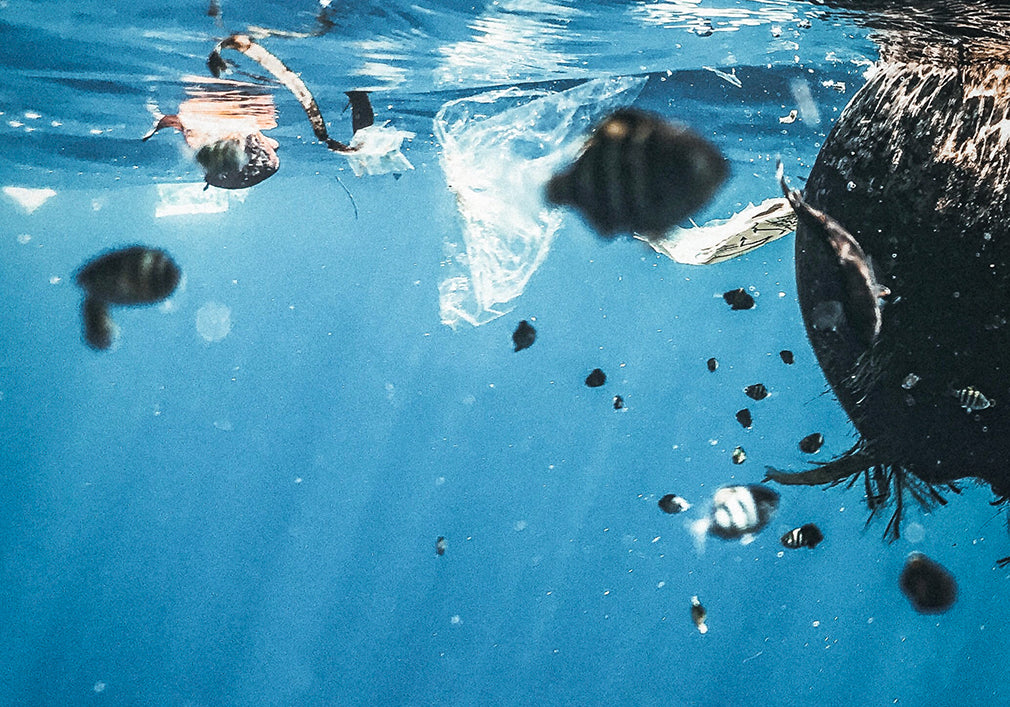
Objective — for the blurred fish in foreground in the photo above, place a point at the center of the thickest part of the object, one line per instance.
(737, 513)
(222, 122)
(639, 173)
(135, 275)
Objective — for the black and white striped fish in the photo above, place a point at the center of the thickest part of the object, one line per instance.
(130, 276)
(739, 511)
(972, 399)
(136, 275)
(807, 535)
(639, 173)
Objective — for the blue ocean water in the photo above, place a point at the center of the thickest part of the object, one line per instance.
(247, 515)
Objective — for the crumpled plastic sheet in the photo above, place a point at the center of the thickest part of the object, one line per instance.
(499, 148)
(723, 239)
(376, 150)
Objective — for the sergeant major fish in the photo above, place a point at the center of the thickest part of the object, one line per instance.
(737, 513)
(639, 173)
(135, 275)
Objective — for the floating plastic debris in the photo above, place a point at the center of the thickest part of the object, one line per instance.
(728, 78)
(29, 199)
(499, 148)
(723, 239)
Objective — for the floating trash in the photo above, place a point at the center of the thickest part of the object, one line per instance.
(811, 444)
(738, 299)
(596, 378)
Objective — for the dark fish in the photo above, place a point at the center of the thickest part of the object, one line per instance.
(741, 510)
(927, 584)
(440, 545)
(807, 535)
(130, 276)
(698, 615)
(99, 329)
(524, 336)
(738, 299)
(739, 456)
(639, 173)
(618, 402)
(712, 364)
(861, 303)
(1003, 562)
(787, 356)
(362, 115)
(744, 418)
(756, 391)
(596, 378)
(672, 503)
(811, 444)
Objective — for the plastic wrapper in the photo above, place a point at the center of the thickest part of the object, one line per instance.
(499, 148)
(723, 239)
(376, 150)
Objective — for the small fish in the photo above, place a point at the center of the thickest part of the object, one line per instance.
(712, 364)
(787, 356)
(596, 378)
(744, 418)
(758, 391)
(791, 118)
(811, 444)
(698, 615)
(672, 503)
(639, 173)
(928, 585)
(738, 299)
(440, 545)
(972, 400)
(618, 402)
(730, 78)
(807, 535)
(739, 511)
(524, 336)
(863, 292)
(130, 276)
(136, 275)
(910, 381)
(739, 456)
(1003, 562)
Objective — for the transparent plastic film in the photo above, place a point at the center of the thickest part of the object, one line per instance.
(499, 148)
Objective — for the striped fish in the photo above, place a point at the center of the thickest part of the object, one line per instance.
(639, 173)
(130, 276)
(972, 399)
(807, 535)
(738, 511)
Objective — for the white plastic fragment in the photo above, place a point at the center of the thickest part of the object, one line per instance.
(723, 239)
(499, 148)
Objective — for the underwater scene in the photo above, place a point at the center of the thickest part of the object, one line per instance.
(513, 352)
